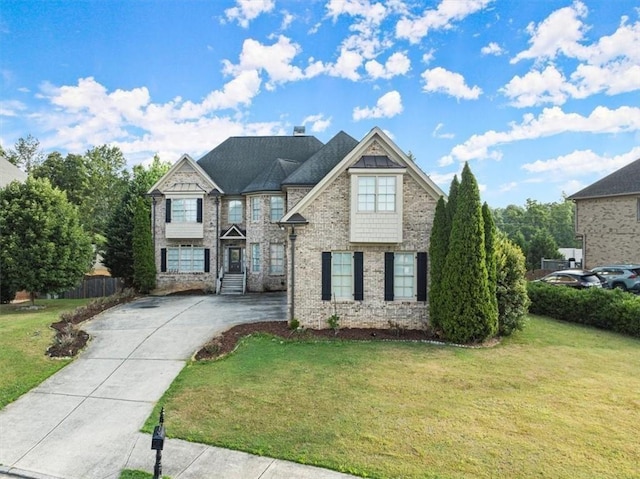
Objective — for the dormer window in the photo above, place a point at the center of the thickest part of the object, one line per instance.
(376, 193)
(184, 210)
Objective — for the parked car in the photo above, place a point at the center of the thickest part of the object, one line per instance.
(574, 278)
(621, 276)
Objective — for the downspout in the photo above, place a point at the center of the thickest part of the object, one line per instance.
(292, 240)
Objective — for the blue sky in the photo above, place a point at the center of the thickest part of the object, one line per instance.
(540, 97)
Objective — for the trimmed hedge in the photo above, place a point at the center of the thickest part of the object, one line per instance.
(613, 310)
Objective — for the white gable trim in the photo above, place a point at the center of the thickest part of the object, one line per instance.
(197, 168)
(353, 156)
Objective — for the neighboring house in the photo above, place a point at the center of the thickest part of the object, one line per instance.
(608, 218)
(10, 172)
(344, 226)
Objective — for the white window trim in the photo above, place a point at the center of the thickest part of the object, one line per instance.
(179, 250)
(229, 211)
(271, 209)
(414, 287)
(255, 259)
(349, 296)
(255, 201)
(376, 194)
(176, 217)
(272, 272)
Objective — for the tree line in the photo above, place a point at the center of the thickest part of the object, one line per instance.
(71, 209)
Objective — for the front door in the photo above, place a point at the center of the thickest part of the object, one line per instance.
(235, 260)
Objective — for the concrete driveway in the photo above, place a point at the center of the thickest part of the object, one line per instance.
(83, 422)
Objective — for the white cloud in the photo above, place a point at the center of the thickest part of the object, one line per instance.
(11, 107)
(87, 114)
(436, 132)
(387, 106)
(505, 187)
(396, 64)
(318, 123)
(448, 11)
(560, 32)
(371, 13)
(347, 65)
(247, 10)
(287, 20)
(428, 57)
(583, 162)
(443, 81)
(538, 87)
(552, 121)
(492, 49)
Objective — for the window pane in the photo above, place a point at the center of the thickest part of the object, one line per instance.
(276, 259)
(277, 208)
(255, 257)
(403, 275)
(366, 193)
(185, 259)
(342, 275)
(255, 209)
(173, 263)
(235, 211)
(184, 210)
(386, 193)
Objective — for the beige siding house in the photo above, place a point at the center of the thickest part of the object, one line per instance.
(608, 218)
(344, 226)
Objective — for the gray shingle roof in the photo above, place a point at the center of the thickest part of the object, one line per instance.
(271, 178)
(238, 161)
(316, 167)
(625, 181)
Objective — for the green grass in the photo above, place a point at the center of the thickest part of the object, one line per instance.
(556, 400)
(24, 338)
(134, 474)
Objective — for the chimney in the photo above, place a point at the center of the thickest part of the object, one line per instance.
(298, 131)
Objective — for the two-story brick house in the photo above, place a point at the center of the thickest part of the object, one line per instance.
(343, 226)
(607, 218)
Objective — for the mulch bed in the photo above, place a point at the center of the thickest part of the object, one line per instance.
(227, 341)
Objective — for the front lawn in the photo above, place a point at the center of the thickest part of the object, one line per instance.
(25, 336)
(556, 400)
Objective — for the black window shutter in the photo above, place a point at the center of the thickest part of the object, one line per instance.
(199, 218)
(163, 260)
(388, 276)
(422, 276)
(326, 276)
(207, 259)
(358, 276)
(168, 210)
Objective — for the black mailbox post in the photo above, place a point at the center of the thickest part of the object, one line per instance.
(157, 444)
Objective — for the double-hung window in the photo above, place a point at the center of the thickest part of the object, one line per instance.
(404, 276)
(376, 193)
(342, 275)
(277, 208)
(276, 259)
(255, 209)
(184, 210)
(255, 257)
(186, 259)
(235, 211)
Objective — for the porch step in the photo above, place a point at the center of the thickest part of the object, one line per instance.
(232, 284)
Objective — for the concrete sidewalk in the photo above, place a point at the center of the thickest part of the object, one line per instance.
(84, 422)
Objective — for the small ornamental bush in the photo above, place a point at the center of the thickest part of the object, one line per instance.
(613, 310)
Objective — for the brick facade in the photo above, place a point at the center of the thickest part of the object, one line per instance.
(328, 230)
(610, 228)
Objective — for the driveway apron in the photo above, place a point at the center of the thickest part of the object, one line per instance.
(83, 422)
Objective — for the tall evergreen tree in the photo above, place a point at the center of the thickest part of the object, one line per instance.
(513, 301)
(489, 245)
(438, 245)
(144, 267)
(452, 202)
(466, 294)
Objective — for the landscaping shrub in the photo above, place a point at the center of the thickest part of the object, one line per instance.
(613, 310)
(511, 289)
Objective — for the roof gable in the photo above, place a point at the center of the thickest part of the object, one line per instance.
(10, 172)
(185, 163)
(384, 143)
(625, 181)
(238, 161)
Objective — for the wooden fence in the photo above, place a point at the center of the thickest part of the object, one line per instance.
(94, 287)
